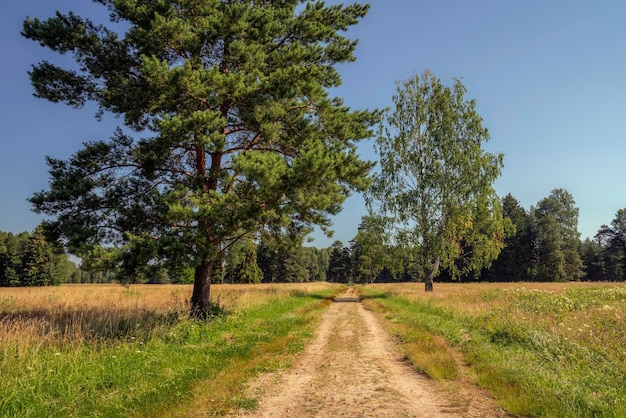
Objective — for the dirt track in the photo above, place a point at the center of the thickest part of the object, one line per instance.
(353, 369)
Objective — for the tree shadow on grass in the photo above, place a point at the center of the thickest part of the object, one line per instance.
(88, 324)
(316, 295)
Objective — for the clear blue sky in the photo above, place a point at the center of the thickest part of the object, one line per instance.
(549, 78)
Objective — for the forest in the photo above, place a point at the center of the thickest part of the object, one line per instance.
(543, 245)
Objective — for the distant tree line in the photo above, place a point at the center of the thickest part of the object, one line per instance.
(543, 244)
(546, 245)
(29, 259)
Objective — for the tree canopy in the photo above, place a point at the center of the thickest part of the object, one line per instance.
(371, 249)
(515, 261)
(229, 127)
(612, 239)
(435, 179)
(558, 239)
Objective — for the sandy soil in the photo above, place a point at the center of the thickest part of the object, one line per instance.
(353, 369)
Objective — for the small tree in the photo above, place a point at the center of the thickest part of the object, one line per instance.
(558, 239)
(241, 263)
(37, 260)
(435, 179)
(371, 249)
(614, 239)
(235, 128)
(11, 250)
(317, 263)
(593, 260)
(515, 262)
(339, 264)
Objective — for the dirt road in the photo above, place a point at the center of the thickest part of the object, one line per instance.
(353, 369)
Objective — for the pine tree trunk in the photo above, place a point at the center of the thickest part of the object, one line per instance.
(200, 298)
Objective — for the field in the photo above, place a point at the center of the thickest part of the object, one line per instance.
(107, 350)
(545, 350)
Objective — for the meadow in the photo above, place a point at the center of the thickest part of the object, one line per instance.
(108, 350)
(542, 349)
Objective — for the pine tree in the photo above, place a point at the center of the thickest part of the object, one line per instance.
(515, 262)
(558, 239)
(37, 260)
(234, 128)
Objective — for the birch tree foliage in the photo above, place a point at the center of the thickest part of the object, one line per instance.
(229, 127)
(436, 180)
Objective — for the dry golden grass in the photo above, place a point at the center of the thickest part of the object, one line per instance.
(477, 297)
(141, 296)
(572, 310)
(73, 314)
(448, 290)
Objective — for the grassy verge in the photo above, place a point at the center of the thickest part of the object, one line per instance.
(167, 365)
(542, 351)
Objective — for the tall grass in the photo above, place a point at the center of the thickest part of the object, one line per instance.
(113, 351)
(549, 350)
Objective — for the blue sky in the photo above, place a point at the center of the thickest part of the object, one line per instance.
(549, 78)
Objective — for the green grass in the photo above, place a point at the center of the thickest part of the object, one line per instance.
(542, 353)
(188, 368)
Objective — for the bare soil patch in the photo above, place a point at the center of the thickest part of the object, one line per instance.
(352, 368)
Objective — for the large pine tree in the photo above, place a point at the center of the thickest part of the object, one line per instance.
(234, 131)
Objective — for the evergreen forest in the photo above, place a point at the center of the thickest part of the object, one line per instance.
(542, 245)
